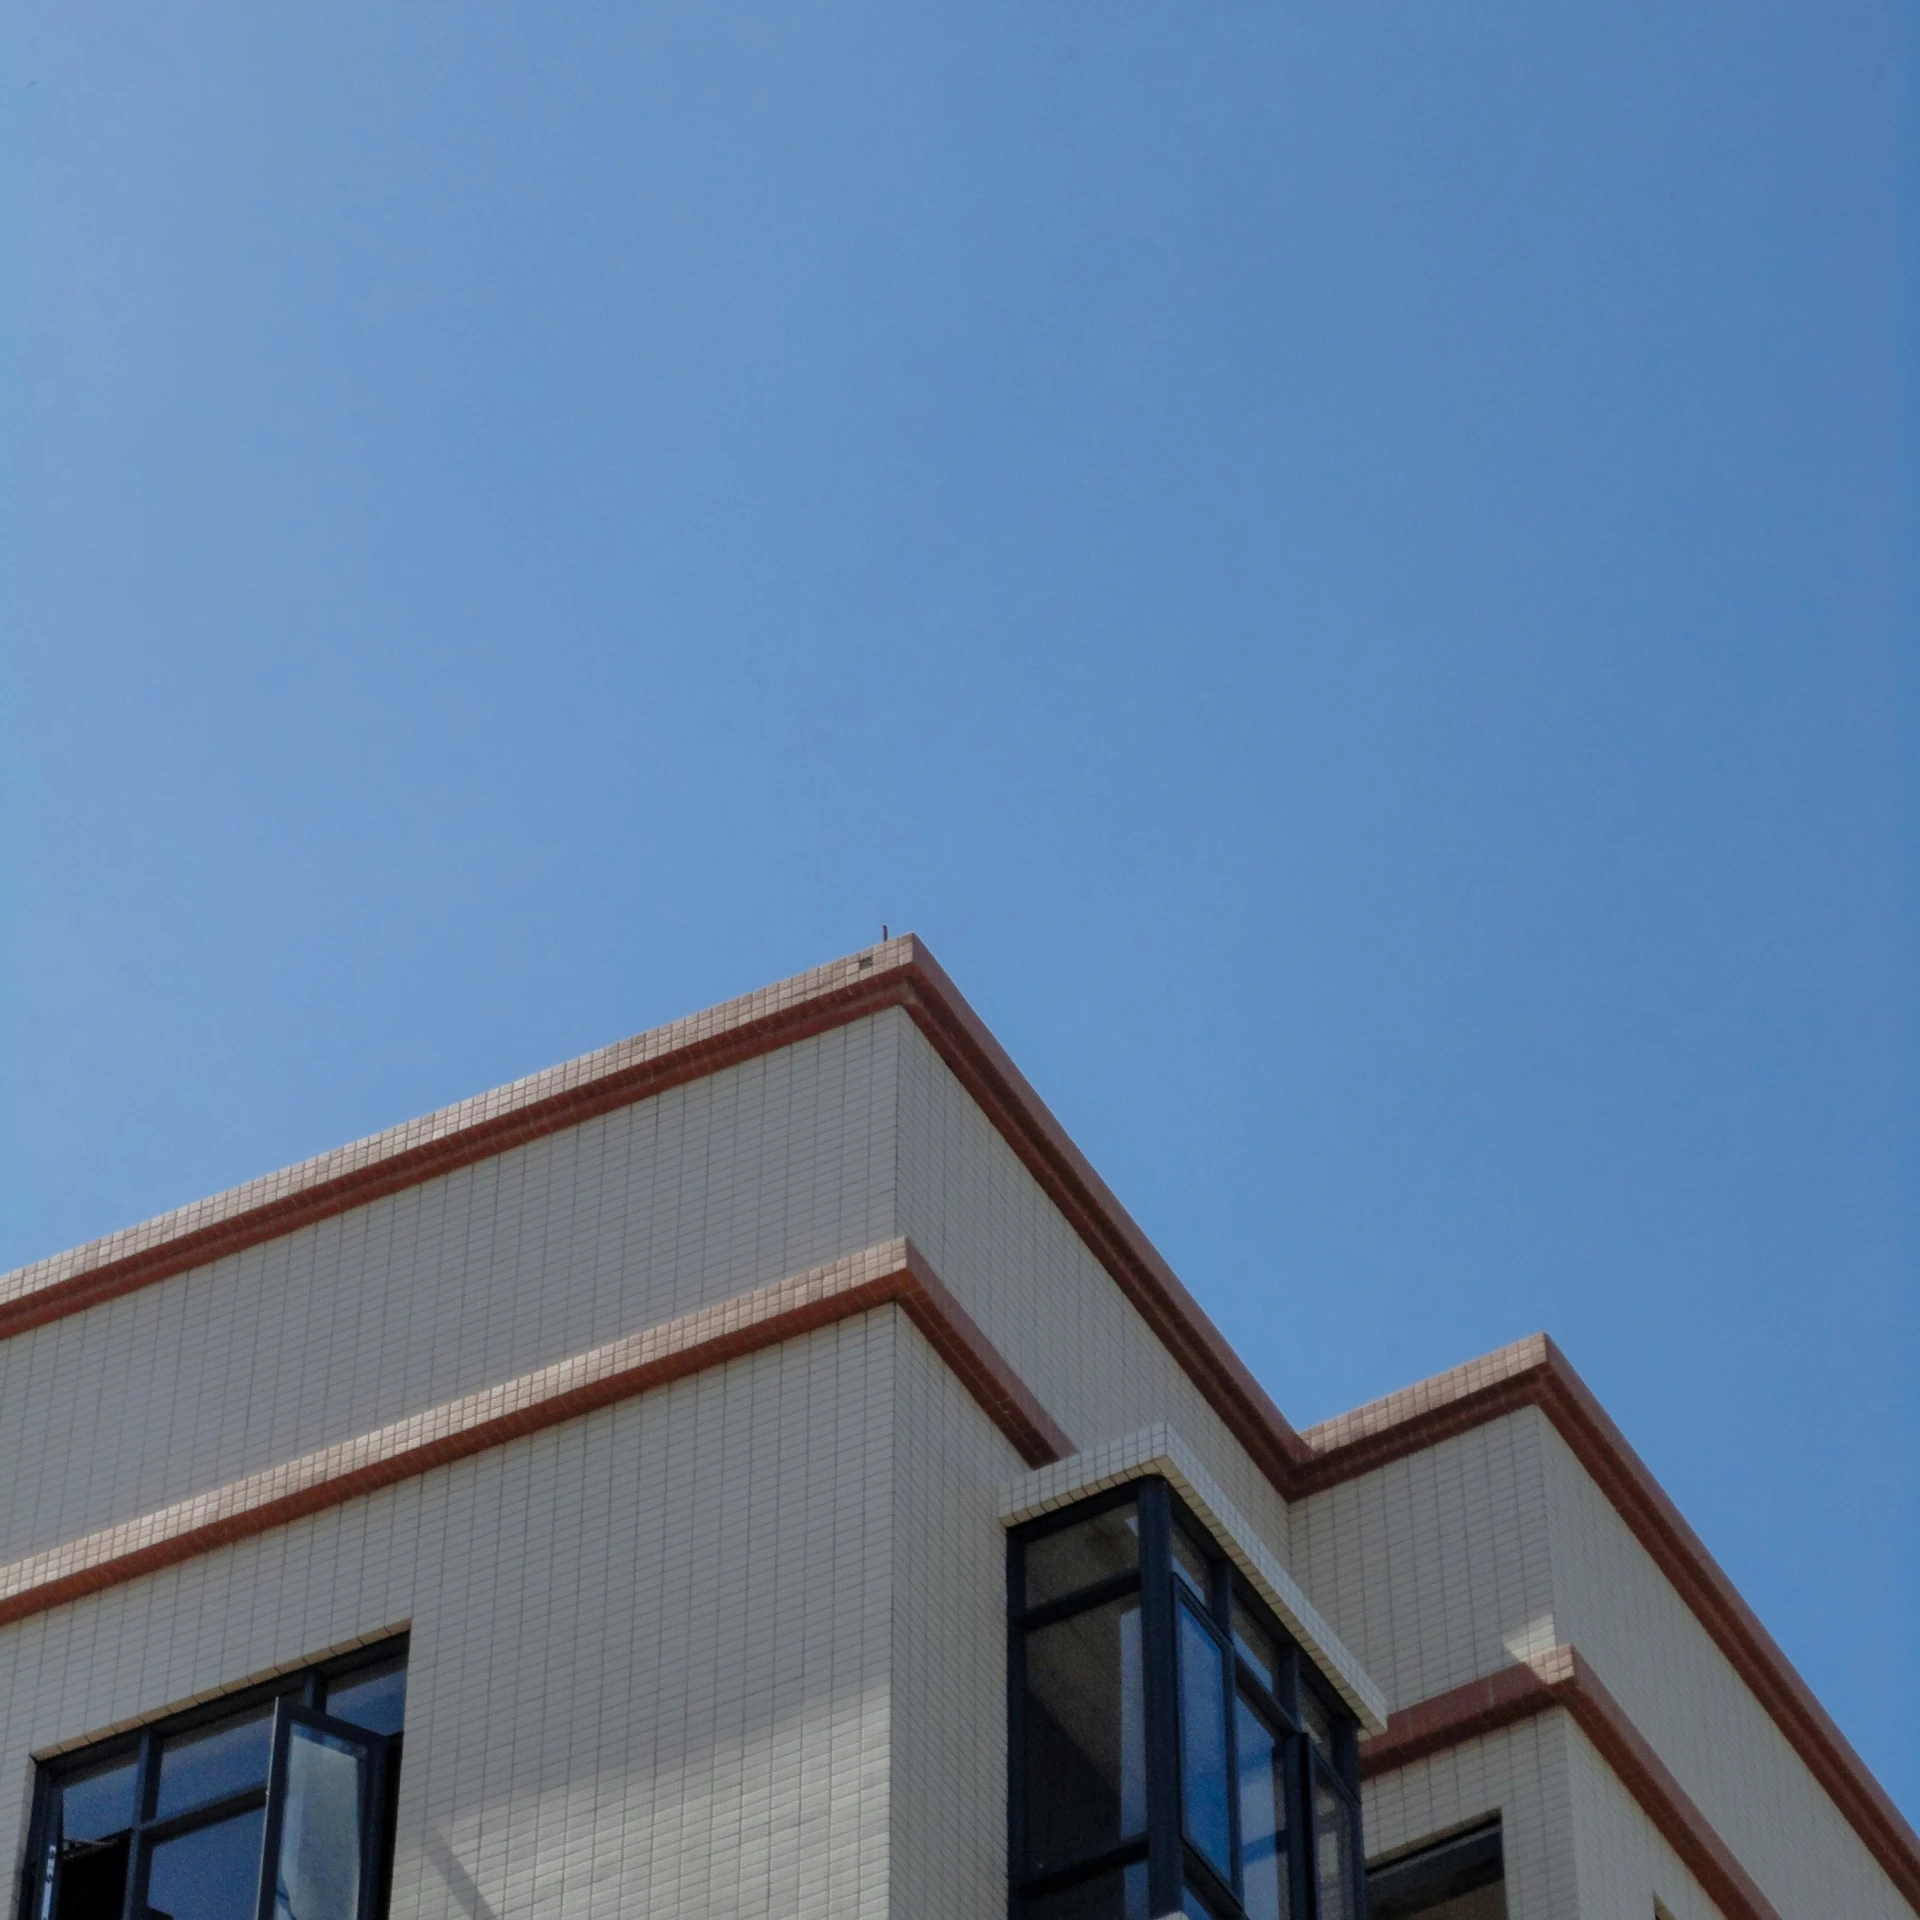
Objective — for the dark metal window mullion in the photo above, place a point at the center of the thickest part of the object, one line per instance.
(1230, 1719)
(1301, 1888)
(1016, 1721)
(146, 1770)
(1165, 1844)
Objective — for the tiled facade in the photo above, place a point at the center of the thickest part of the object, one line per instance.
(730, 1639)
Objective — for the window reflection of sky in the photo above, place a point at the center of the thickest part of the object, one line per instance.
(212, 1873)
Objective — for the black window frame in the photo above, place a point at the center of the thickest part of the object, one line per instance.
(1174, 1864)
(305, 1691)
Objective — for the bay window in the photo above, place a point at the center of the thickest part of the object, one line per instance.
(1172, 1750)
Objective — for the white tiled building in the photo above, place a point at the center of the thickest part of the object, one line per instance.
(596, 1499)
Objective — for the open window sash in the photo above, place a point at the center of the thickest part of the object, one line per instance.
(320, 1857)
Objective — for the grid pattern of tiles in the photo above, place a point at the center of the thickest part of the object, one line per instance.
(949, 1800)
(1436, 1569)
(764, 1316)
(444, 1289)
(1039, 1295)
(1687, 1701)
(1621, 1861)
(692, 1035)
(1159, 1450)
(1524, 1775)
(651, 1648)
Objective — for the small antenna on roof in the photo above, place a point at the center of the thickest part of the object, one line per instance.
(883, 931)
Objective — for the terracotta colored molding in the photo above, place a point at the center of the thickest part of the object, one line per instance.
(902, 973)
(458, 1136)
(982, 1066)
(1534, 1372)
(891, 1273)
(1563, 1678)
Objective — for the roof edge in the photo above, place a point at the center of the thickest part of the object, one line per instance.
(899, 972)
(1534, 1372)
(903, 973)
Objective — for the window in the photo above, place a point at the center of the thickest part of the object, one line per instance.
(1462, 1878)
(1171, 1750)
(272, 1804)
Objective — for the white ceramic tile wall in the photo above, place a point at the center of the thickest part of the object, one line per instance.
(1622, 1862)
(1041, 1298)
(1436, 1569)
(949, 1646)
(602, 1229)
(1523, 1774)
(666, 1656)
(1657, 1660)
(651, 1649)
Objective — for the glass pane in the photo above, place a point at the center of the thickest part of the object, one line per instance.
(1263, 1817)
(1120, 1895)
(1255, 1645)
(93, 1880)
(1194, 1907)
(97, 1802)
(1086, 1744)
(212, 1873)
(1191, 1565)
(1460, 1879)
(1076, 1557)
(1333, 1852)
(1203, 1743)
(1319, 1721)
(317, 1876)
(212, 1762)
(374, 1698)
(1316, 1717)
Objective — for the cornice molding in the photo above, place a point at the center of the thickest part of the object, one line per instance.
(902, 973)
(1564, 1678)
(1535, 1373)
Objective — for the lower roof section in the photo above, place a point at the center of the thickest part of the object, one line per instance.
(900, 973)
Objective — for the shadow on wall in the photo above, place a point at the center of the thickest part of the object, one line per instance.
(459, 1883)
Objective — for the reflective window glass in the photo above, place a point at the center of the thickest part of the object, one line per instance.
(1120, 1895)
(1203, 1743)
(1085, 1764)
(1263, 1817)
(1192, 1567)
(98, 1802)
(1079, 1556)
(211, 1762)
(374, 1698)
(1319, 1722)
(1255, 1645)
(211, 1873)
(1333, 1852)
(317, 1874)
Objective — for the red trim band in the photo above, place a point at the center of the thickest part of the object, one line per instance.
(904, 974)
(893, 1273)
(1564, 1678)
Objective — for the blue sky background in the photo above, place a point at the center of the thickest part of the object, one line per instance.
(1348, 567)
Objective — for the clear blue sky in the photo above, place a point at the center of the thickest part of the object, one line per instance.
(1348, 567)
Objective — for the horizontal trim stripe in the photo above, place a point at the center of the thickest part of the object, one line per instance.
(902, 973)
(893, 1273)
(1563, 1677)
(1534, 1372)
